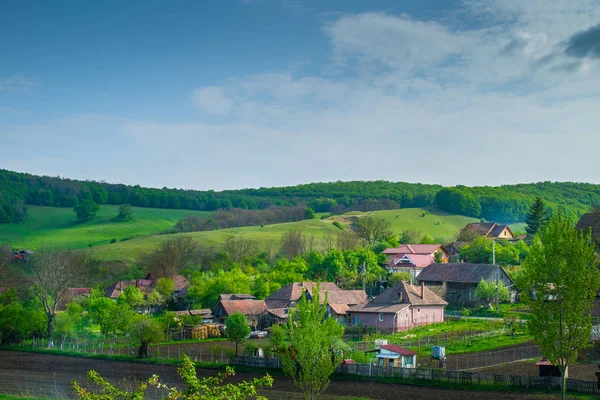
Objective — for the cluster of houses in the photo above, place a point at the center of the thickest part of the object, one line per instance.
(435, 282)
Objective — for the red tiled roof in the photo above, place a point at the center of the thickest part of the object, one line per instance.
(398, 349)
(340, 309)
(418, 260)
(398, 297)
(293, 292)
(414, 249)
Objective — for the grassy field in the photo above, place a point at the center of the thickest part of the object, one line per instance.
(60, 226)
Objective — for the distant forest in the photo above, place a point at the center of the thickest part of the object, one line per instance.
(507, 203)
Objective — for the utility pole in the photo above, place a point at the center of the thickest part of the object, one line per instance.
(364, 276)
(497, 271)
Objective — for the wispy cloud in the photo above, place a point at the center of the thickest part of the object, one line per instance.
(213, 100)
(16, 83)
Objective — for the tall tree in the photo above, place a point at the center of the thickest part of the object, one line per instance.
(125, 213)
(562, 275)
(536, 217)
(86, 209)
(52, 271)
(237, 329)
(171, 257)
(373, 229)
(312, 356)
(143, 331)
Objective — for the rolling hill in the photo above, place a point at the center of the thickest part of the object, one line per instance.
(58, 226)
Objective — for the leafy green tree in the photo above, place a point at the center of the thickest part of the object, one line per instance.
(536, 217)
(237, 329)
(427, 239)
(143, 331)
(125, 213)
(132, 296)
(309, 213)
(165, 287)
(86, 209)
(277, 337)
(561, 272)
(206, 287)
(312, 356)
(207, 388)
(486, 291)
(398, 276)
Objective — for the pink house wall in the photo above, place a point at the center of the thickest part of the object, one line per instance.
(408, 318)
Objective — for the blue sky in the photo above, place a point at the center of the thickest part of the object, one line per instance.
(232, 94)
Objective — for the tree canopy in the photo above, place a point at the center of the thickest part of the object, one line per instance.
(561, 273)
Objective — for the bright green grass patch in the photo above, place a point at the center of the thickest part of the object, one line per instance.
(59, 226)
(461, 325)
(438, 224)
(10, 397)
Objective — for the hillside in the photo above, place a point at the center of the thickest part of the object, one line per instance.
(60, 226)
(506, 203)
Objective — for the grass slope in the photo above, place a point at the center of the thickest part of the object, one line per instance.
(408, 218)
(60, 226)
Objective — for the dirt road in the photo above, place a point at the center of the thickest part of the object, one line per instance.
(51, 375)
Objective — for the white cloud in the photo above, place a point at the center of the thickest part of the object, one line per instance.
(16, 83)
(213, 100)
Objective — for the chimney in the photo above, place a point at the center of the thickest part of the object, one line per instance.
(422, 290)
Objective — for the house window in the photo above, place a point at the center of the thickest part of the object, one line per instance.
(381, 316)
(418, 310)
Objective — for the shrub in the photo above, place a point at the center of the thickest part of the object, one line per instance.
(113, 240)
(250, 349)
(338, 225)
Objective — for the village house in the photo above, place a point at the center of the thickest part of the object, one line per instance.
(491, 230)
(456, 282)
(399, 308)
(412, 258)
(252, 309)
(338, 301)
(391, 355)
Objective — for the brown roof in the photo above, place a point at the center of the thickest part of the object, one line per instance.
(115, 290)
(399, 297)
(398, 349)
(279, 312)
(74, 292)
(460, 272)
(490, 229)
(180, 282)
(203, 312)
(293, 292)
(236, 296)
(246, 307)
(405, 293)
(340, 309)
(590, 221)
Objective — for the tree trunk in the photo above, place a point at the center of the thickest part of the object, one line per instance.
(143, 351)
(236, 348)
(50, 328)
(563, 383)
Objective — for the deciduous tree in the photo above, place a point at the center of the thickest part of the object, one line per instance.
(561, 272)
(51, 272)
(125, 213)
(143, 331)
(171, 257)
(237, 329)
(86, 209)
(312, 356)
(373, 229)
(486, 291)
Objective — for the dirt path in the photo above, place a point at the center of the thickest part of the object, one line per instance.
(51, 375)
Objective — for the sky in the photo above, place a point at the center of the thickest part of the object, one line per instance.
(256, 93)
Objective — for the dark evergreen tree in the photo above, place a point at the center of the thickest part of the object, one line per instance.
(536, 217)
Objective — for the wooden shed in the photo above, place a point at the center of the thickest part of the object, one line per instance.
(547, 368)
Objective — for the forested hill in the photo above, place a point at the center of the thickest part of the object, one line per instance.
(506, 203)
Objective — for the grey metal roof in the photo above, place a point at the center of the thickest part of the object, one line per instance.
(460, 272)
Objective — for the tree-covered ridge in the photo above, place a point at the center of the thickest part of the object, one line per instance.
(507, 203)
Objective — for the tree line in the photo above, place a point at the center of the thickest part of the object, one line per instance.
(507, 203)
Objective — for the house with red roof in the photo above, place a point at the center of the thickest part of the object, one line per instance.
(401, 307)
(412, 258)
(391, 355)
(251, 308)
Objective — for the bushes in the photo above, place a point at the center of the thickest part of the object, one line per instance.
(338, 225)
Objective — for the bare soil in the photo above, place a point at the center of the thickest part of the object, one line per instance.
(51, 376)
(584, 371)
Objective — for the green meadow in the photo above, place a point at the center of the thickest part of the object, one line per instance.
(58, 226)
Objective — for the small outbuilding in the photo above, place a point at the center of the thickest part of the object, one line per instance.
(547, 368)
(391, 355)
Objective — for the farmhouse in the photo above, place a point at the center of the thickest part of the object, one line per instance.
(399, 308)
(456, 282)
(391, 355)
(146, 285)
(252, 309)
(413, 258)
(491, 230)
